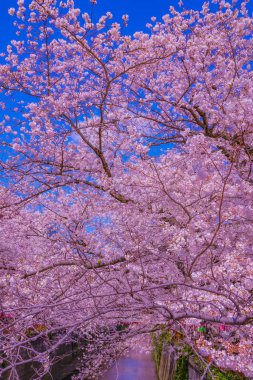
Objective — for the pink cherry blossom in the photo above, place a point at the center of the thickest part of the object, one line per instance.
(126, 183)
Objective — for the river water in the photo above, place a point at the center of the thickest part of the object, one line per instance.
(134, 366)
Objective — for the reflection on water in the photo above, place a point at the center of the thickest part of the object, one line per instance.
(134, 366)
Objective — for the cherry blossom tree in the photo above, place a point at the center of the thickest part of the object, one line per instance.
(96, 230)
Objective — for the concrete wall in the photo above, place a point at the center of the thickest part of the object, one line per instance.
(167, 366)
(168, 363)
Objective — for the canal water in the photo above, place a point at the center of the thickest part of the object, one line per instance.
(134, 366)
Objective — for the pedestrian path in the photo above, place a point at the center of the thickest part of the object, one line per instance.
(134, 366)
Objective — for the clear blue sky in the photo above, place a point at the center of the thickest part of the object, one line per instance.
(139, 11)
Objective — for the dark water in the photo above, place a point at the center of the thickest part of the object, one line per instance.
(134, 366)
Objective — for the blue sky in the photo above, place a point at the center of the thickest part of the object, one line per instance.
(139, 11)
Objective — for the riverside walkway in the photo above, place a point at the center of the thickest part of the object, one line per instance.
(134, 366)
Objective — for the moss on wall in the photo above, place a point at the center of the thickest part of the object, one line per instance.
(184, 352)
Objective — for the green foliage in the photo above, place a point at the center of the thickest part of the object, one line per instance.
(182, 368)
(228, 375)
(122, 327)
(158, 340)
(185, 351)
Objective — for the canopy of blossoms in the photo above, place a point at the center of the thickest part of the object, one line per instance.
(95, 228)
